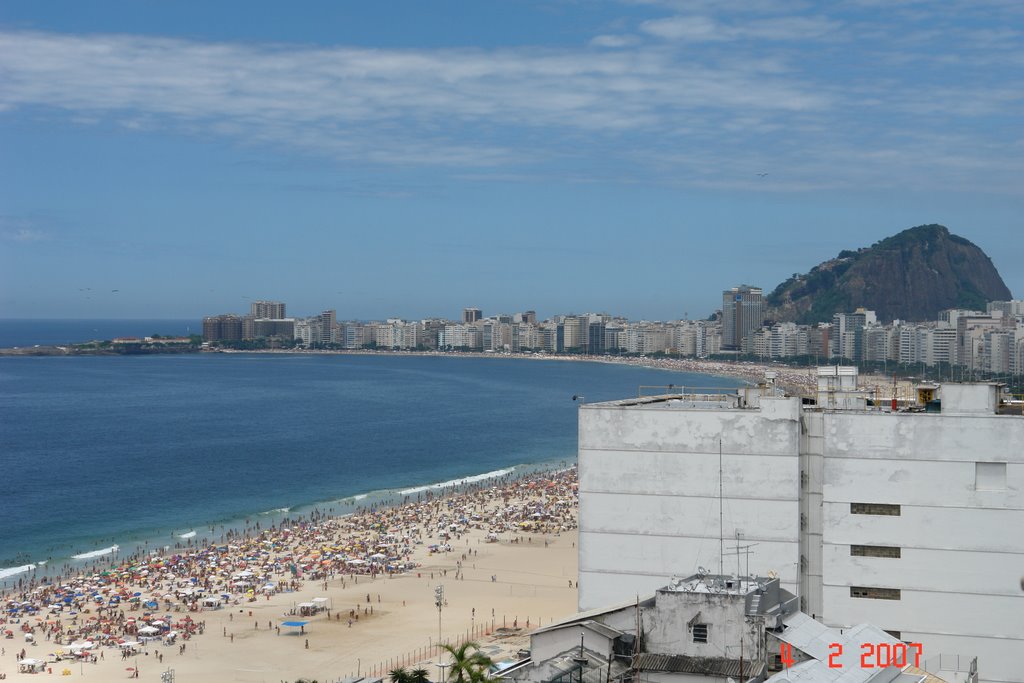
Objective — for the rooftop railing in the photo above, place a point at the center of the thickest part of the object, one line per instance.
(647, 390)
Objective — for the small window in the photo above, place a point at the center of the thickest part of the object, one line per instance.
(895, 634)
(990, 476)
(874, 551)
(874, 593)
(874, 509)
(700, 633)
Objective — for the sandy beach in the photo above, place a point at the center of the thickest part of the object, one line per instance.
(509, 563)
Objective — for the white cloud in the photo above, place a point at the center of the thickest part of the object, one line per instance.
(811, 93)
(707, 29)
(377, 104)
(24, 235)
(687, 28)
(30, 235)
(609, 40)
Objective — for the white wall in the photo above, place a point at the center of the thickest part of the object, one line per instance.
(917, 616)
(962, 549)
(666, 630)
(649, 494)
(649, 510)
(920, 435)
(547, 645)
(929, 569)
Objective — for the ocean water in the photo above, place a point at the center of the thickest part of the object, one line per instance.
(98, 451)
(24, 332)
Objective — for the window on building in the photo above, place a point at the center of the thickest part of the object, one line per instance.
(700, 633)
(874, 593)
(990, 476)
(874, 551)
(874, 509)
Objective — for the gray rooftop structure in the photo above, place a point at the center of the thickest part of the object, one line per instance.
(708, 666)
(836, 654)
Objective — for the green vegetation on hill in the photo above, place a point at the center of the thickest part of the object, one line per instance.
(911, 276)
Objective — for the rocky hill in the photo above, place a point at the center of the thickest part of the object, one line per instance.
(911, 276)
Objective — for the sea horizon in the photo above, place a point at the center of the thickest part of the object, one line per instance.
(24, 332)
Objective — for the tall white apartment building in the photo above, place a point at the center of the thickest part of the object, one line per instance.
(307, 330)
(911, 519)
(354, 335)
(461, 336)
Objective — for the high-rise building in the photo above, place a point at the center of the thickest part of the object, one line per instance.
(904, 518)
(742, 313)
(307, 330)
(267, 309)
(575, 331)
(970, 332)
(471, 315)
(1013, 308)
(525, 317)
(274, 327)
(227, 327)
(328, 327)
(848, 338)
(596, 337)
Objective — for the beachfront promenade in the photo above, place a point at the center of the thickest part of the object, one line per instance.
(504, 550)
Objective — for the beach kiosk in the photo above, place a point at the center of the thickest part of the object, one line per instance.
(31, 666)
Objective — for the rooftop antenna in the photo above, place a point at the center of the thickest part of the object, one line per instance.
(745, 549)
(721, 515)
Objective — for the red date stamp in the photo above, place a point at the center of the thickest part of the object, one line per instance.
(873, 655)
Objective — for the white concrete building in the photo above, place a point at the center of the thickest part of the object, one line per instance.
(461, 337)
(910, 520)
(308, 330)
(714, 629)
(700, 629)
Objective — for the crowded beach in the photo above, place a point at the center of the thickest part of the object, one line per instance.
(317, 596)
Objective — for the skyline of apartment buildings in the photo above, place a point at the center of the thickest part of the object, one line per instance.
(990, 341)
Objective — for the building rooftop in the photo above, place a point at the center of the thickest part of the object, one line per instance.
(709, 666)
(717, 584)
(594, 668)
(589, 615)
(837, 390)
(836, 653)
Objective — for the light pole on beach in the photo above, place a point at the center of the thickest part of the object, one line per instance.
(439, 601)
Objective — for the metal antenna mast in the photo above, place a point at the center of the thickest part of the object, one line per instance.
(721, 515)
(745, 549)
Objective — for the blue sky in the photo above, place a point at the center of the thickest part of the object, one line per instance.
(412, 158)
